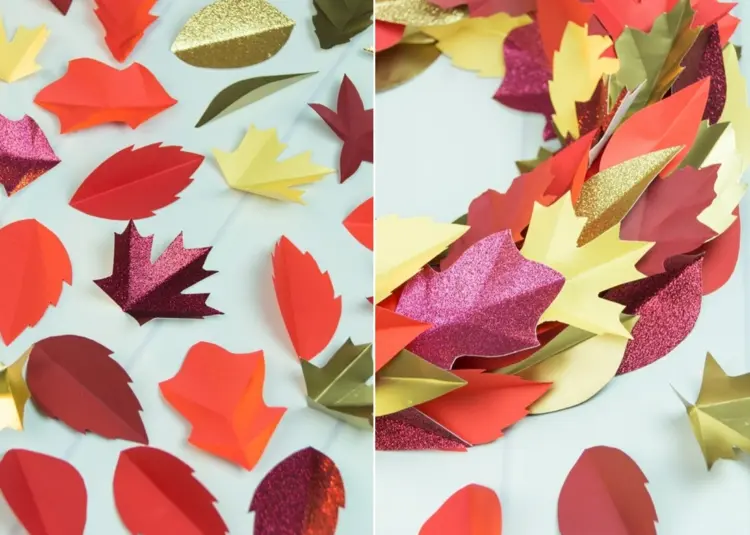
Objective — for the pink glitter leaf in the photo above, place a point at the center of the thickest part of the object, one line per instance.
(488, 303)
(410, 430)
(25, 153)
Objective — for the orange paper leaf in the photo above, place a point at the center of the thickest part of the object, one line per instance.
(553, 17)
(393, 332)
(360, 223)
(124, 21)
(472, 510)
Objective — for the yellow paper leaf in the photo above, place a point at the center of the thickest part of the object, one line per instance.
(601, 264)
(18, 56)
(736, 110)
(404, 246)
(13, 394)
(577, 69)
(254, 168)
(476, 44)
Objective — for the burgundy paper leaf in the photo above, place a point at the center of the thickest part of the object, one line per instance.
(411, 429)
(147, 291)
(487, 8)
(47, 495)
(62, 5)
(487, 304)
(301, 494)
(25, 153)
(75, 380)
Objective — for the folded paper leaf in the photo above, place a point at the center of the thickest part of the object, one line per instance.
(417, 13)
(18, 55)
(410, 430)
(337, 22)
(62, 5)
(360, 223)
(487, 8)
(387, 35)
(25, 153)
(554, 18)
(720, 258)
(401, 63)
(14, 393)
(472, 510)
(124, 23)
(616, 15)
(737, 109)
(393, 332)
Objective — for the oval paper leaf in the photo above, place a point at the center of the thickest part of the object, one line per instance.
(472, 510)
(134, 182)
(605, 492)
(233, 33)
(301, 494)
(401, 63)
(410, 430)
(14, 393)
(31, 277)
(75, 380)
(47, 495)
(156, 494)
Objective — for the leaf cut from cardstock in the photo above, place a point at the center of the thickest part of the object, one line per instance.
(387, 35)
(14, 393)
(417, 13)
(393, 332)
(360, 223)
(124, 23)
(336, 22)
(18, 55)
(554, 18)
(472, 510)
(25, 153)
(401, 63)
(737, 110)
(62, 5)
(410, 430)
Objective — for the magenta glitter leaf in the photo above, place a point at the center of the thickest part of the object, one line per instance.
(487, 304)
(410, 430)
(668, 305)
(299, 496)
(25, 153)
(147, 291)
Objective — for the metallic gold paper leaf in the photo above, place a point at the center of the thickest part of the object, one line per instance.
(245, 92)
(337, 21)
(401, 63)
(232, 33)
(18, 55)
(419, 13)
(340, 387)
(13, 394)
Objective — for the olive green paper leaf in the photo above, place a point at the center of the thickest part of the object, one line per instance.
(245, 92)
(337, 21)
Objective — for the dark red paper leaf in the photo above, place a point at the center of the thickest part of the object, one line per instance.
(75, 380)
(411, 429)
(147, 291)
(133, 183)
(62, 5)
(300, 495)
(47, 495)
(720, 257)
(605, 493)
(25, 153)
(486, 8)
(156, 494)
(124, 21)
(360, 222)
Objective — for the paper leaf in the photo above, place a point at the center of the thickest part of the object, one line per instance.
(25, 153)
(360, 223)
(405, 245)
(146, 290)
(47, 495)
(554, 18)
(340, 387)
(246, 92)
(301, 494)
(393, 332)
(737, 111)
(124, 24)
(616, 15)
(75, 380)
(155, 492)
(253, 167)
(92, 93)
(487, 8)
(720, 258)
(33, 280)
(353, 124)
(417, 13)
(133, 183)
(489, 403)
(401, 63)
(472, 510)
(605, 492)
(14, 393)
(232, 33)
(552, 240)
(18, 55)
(411, 430)
(337, 22)
(408, 380)
(221, 394)
(62, 5)
(488, 303)
(307, 301)
(387, 35)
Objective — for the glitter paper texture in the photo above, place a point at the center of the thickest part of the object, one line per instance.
(411, 430)
(416, 13)
(25, 153)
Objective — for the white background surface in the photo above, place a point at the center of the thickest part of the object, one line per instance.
(440, 141)
(242, 229)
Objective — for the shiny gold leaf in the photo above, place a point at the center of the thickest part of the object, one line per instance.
(418, 13)
(13, 394)
(401, 63)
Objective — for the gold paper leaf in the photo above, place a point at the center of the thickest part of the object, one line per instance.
(232, 33)
(401, 63)
(420, 13)
(18, 56)
(13, 394)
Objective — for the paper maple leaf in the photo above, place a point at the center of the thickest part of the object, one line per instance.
(25, 153)
(18, 56)
(147, 291)
(336, 22)
(601, 264)
(253, 167)
(124, 23)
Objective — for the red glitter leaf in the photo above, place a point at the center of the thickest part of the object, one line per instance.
(472, 510)
(360, 223)
(393, 332)
(32, 277)
(302, 494)
(25, 153)
(133, 183)
(605, 492)
(387, 34)
(553, 16)
(411, 430)
(148, 290)
(63, 6)
(156, 494)
(47, 495)
(75, 380)
(125, 21)
(487, 8)
(308, 305)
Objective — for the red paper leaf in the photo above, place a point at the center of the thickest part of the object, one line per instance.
(75, 380)
(221, 395)
(31, 277)
(393, 332)
(487, 8)
(709, 12)
(25, 153)
(472, 510)
(301, 494)
(553, 16)
(353, 124)
(124, 21)
(720, 257)
(605, 493)
(146, 291)
(133, 183)
(727, 26)
(156, 494)
(411, 429)
(387, 34)
(616, 15)
(63, 6)
(47, 495)
(360, 222)
(309, 307)
(92, 93)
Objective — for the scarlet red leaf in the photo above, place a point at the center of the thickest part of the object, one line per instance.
(133, 183)
(360, 222)
(309, 308)
(62, 5)
(472, 510)
(487, 8)
(727, 26)
(387, 34)
(32, 277)
(156, 494)
(125, 21)
(553, 16)
(47, 495)
(721, 256)
(605, 493)
(616, 15)
(393, 332)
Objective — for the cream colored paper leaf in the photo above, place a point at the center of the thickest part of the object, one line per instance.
(18, 55)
